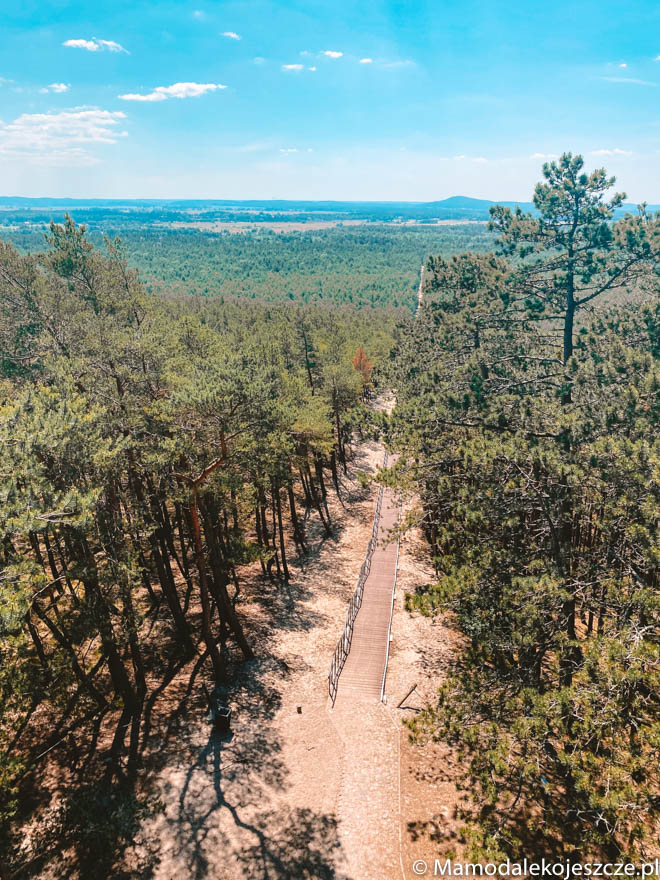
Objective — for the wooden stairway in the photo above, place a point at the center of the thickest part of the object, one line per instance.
(362, 676)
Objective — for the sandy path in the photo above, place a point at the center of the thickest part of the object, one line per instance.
(364, 669)
(368, 804)
(368, 808)
(314, 793)
(420, 290)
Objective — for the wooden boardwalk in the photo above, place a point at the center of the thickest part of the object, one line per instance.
(363, 672)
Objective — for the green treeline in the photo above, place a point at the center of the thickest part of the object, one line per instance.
(528, 423)
(358, 265)
(150, 449)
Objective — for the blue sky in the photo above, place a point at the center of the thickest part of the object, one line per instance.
(354, 99)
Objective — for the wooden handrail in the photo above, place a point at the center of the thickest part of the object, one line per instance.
(344, 644)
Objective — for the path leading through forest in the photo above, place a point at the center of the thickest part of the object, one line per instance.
(368, 806)
(420, 290)
(363, 674)
(299, 789)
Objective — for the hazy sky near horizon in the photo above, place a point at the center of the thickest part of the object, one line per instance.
(324, 100)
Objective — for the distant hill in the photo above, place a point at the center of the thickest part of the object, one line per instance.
(466, 208)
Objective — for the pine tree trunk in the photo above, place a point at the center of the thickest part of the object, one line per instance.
(278, 504)
(318, 505)
(219, 669)
(297, 531)
(221, 579)
(64, 642)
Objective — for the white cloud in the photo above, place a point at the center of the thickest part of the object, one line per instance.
(90, 45)
(628, 79)
(332, 54)
(311, 68)
(58, 88)
(615, 152)
(289, 150)
(232, 35)
(57, 138)
(544, 156)
(366, 60)
(111, 46)
(292, 66)
(177, 90)
(470, 159)
(199, 14)
(657, 57)
(95, 45)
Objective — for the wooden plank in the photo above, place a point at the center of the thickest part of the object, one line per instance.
(362, 673)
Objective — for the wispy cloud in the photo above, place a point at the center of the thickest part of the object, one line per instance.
(58, 88)
(396, 65)
(255, 147)
(289, 150)
(199, 14)
(615, 152)
(231, 35)
(470, 159)
(177, 90)
(544, 156)
(95, 45)
(628, 79)
(331, 53)
(366, 60)
(60, 138)
(292, 67)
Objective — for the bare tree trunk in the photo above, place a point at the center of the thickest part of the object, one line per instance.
(278, 505)
(219, 670)
(298, 536)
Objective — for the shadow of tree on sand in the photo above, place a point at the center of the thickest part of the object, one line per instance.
(218, 830)
(299, 843)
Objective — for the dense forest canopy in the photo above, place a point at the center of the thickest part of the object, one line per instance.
(150, 448)
(529, 430)
(364, 266)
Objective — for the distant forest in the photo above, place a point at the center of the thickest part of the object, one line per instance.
(361, 266)
(137, 212)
